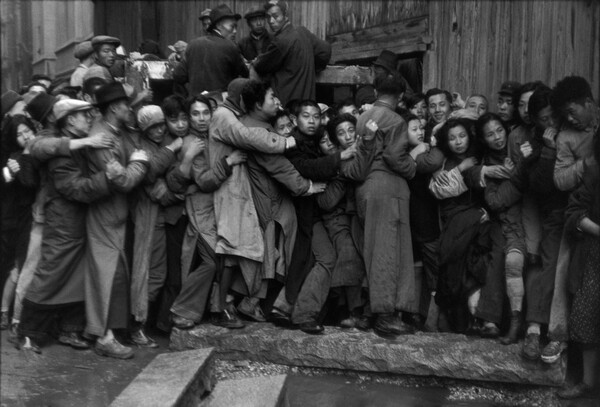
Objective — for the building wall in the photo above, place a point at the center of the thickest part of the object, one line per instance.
(16, 46)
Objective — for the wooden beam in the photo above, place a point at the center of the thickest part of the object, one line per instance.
(345, 75)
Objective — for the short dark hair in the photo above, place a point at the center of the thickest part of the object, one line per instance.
(344, 103)
(540, 99)
(292, 106)
(197, 98)
(173, 105)
(408, 117)
(411, 100)
(9, 135)
(254, 92)
(305, 103)
(443, 133)
(570, 89)
(389, 85)
(280, 114)
(337, 120)
(437, 91)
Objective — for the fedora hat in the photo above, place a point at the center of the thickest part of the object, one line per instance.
(40, 106)
(220, 12)
(109, 93)
(388, 60)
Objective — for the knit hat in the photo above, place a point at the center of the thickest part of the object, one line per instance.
(149, 116)
(65, 107)
(40, 106)
(9, 99)
(83, 50)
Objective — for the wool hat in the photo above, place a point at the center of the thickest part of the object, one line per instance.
(388, 60)
(509, 88)
(220, 12)
(9, 99)
(110, 92)
(178, 46)
(149, 116)
(255, 12)
(83, 50)
(205, 14)
(105, 39)
(65, 107)
(40, 106)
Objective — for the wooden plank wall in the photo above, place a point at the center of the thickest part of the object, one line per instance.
(478, 44)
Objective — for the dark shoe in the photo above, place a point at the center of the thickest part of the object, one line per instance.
(13, 334)
(552, 351)
(139, 338)
(390, 325)
(311, 327)
(73, 339)
(113, 349)
(27, 344)
(513, 331)
(251, 311)
(181, 322)
(364, 323)
(228, 320)
(531, 347)
(579, 391)
(4, 323)
(279, 318)
(489, 330)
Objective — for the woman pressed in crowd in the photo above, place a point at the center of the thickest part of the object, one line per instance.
(20, 181)
(417, 105)
(471, 263)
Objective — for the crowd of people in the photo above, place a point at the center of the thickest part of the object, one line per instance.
(240, 197)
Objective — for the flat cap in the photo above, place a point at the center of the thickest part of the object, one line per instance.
(65, 107)
(149, 116)
(83, 50)
(105, 39)
(205, 14)
(509, 88)
(9, 99)
(255, 12)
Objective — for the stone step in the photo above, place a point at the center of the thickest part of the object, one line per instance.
(262, 391)
(421, 354)
(171, 379)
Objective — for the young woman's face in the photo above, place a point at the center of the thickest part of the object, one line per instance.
(494, 135)
(157, 133)
(458, 140)
(420, 109)
(416, 133)
(523, 107)
(545, 118)
(345, 133)
(178, 125)
(200, 116)
(326, 145)
(24, 134)
(477, 105)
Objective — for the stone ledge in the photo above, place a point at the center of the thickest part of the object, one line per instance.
(171, 379)
(422, 354)
(262, 391)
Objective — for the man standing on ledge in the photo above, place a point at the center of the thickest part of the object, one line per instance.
(293, 58)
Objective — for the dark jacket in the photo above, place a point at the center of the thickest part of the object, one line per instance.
(251, 47)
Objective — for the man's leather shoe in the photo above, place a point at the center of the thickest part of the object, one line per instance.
(27, 344)
(279, 318)
(311, 327)
(181, 322)
(390, 325)
(73, 339)
(139, 338)
(113, 349)
(251, 311)
(229, 320)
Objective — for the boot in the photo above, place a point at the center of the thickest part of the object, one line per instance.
(513, 330)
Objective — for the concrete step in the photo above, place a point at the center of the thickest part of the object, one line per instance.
(171, 379)
(262, 391)
(421, 354)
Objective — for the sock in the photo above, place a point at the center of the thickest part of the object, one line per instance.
(533, 328)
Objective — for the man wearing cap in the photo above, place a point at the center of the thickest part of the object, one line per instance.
(105, 55)
(205, 20)
(507, 102)
(211, 62)
(106, 285)
(293, 58)
(259, 38)
(57, 283)
(84, 52)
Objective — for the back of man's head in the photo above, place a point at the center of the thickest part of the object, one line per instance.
(254, 92)
(570, 89)
(390, 86)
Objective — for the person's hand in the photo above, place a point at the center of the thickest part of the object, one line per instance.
(371, 130)
(526, 149)
(236, 157)
(99, 140)
(13, 166)
(433, 141)
(441, 177)
(176, 144)
(365, 107)
(114, 169)
(139, 155)
(195, 147)
(290, 143)
(316, 188)
(349, 152)
(549, 137)
(508, 164)
(463, 114)
(467, 163)
(497, 171)
(419, 149)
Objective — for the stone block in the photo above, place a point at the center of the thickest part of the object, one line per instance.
(261, 391)
(171, 379)
(421, 354)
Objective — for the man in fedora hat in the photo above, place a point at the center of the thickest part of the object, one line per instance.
(293, 57)
(105, 56)
(259, 38)
(106, 286)
(84, 52)
(211, 62)
(57, 283)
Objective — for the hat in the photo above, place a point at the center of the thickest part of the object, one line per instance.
(109, 93)
(234, 90)
(179, 45)
(255, 12)
(40, 106)
(323, 107)
(220, 12)
(205, 14)
(9, 99)
(509, 88)
(83, 50)
(65, 107)
(105, 39)
(40, 77)
(97, 71)
(149, 116)
(388, 60)
(365, 95)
